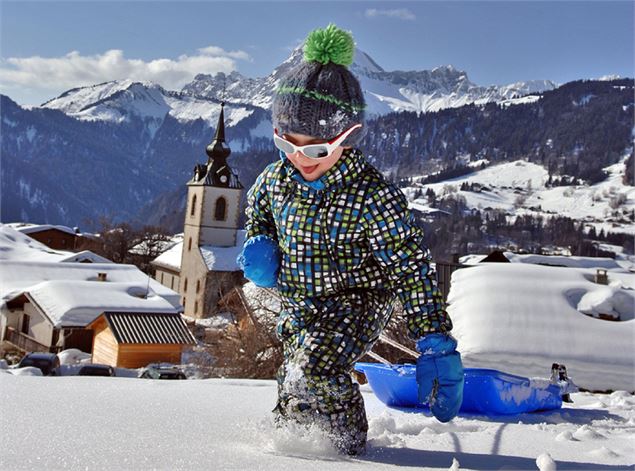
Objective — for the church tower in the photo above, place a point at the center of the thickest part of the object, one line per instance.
(213, 196)
(211, 222)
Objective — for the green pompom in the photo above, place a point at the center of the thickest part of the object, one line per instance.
(330, 44)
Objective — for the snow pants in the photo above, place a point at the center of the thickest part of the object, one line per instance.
(322, 339)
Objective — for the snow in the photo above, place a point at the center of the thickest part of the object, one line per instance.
(68, 289)
(115, 101)
(612, 301)
(216, 258)
(160, 246)
(16, 245)
(77, 303)
(520, 101)
(622, 263)
(424, 209)
(218, 321)
(520, 318)
(507, 181)
(171, 258)
(17, 277)
(84, 256)
(226, 424)
(573, 261)
(223, 258)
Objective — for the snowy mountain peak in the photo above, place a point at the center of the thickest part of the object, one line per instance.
(110, 100)
(385, 91)
(362, 61)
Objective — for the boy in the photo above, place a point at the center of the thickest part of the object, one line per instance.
(338, 242)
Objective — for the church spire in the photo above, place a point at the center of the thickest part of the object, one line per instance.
(218, 148)
(217, 172)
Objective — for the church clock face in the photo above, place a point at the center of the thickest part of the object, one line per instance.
(223, 178)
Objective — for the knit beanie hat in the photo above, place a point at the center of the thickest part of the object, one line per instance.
(320, 97)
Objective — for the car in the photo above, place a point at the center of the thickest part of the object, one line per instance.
(162, 371)
(48, 363)
(96, 369)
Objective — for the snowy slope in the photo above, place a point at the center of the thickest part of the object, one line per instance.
(519, 186)
(75, 422)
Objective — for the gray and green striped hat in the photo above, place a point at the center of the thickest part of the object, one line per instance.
(321, 97)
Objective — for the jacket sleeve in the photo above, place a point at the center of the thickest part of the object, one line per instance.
(396, 243)
(259, 216)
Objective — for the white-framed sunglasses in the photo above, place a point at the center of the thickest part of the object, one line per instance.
(313, 151)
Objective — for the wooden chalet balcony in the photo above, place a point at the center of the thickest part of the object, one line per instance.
(24, 342)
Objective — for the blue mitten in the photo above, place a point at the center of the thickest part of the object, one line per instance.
(260, 261)
(440, 375)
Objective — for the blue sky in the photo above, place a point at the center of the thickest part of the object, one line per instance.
(47, 47)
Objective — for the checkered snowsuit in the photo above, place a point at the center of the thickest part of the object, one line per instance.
(348, 244)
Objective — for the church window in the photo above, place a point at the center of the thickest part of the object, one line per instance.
(189, 244)
(195, 307)
(221, 206)
(198, 285)
(193, 208)
(185, 284)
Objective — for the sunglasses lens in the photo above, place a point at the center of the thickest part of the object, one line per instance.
(316, 152)
(283, 145)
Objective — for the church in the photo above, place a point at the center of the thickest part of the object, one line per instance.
(202, 268)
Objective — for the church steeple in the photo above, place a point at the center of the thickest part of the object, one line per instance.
(218, 148)
(217, 172)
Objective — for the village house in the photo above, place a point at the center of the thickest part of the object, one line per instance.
(48, 303)
(53, 236)
(203, 268)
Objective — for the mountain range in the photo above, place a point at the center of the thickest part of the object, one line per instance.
(118, 147)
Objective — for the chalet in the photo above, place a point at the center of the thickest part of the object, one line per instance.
(18, 246)
(46, 302)
(53, 236)
(202, 268)
(134, 339)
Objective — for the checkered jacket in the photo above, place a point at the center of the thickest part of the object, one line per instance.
(350, 229)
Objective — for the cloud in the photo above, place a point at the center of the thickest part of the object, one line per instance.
(75, 69)
(399, 13)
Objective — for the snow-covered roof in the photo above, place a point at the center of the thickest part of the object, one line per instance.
(159, 246)
(18, 277)
(223, 258)
(16, 245)
(171, 258)
(77, 303)
(555, 260)
(216, 258)
(28, 228)
(573, 261)
(68, 288)
(422, 208)
(84, 256)
(521, 318)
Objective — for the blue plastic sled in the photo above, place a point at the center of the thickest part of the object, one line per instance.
(485, 391)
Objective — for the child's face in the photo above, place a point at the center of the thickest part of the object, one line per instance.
(311, 169)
